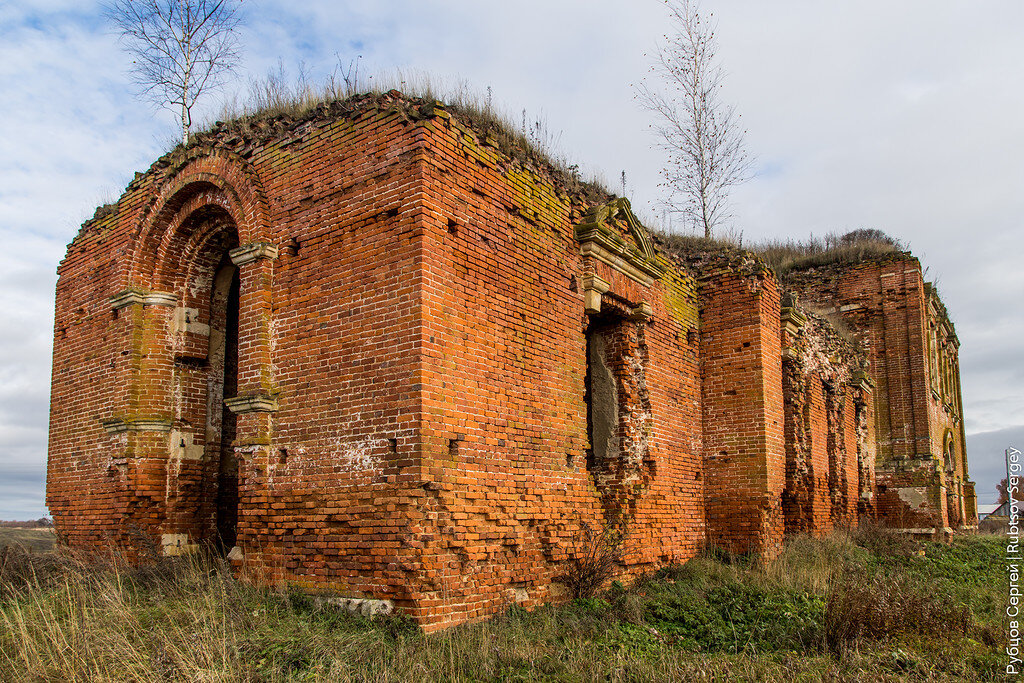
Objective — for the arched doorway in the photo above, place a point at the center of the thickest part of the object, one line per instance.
(202, 473)
(199, 265)
(222, 382)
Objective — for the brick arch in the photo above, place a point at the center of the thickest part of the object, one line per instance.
(206, 214)
(188, 254)
(215, 180)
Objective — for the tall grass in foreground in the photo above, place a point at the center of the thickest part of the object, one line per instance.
(833, 608)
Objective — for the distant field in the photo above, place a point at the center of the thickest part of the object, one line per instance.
(39, 540)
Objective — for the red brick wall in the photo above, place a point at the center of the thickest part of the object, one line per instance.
(845, 510)
(86, 466)
(741, 371)
(412, 371)
(504, 376)
(330, 330)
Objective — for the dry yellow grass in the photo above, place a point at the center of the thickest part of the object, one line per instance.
(190, 620)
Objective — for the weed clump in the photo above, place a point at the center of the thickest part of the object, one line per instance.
(883, 606)
(737, 617)
(594, 555)
(884, 541)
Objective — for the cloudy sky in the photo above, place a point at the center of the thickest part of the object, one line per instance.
(904, 116)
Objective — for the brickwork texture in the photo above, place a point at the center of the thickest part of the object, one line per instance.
(373, 354)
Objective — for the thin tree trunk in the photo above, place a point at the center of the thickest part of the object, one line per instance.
(184, 125)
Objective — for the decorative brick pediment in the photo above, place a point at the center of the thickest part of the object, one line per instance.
(613, 235)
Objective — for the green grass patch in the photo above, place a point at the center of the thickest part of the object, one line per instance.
(828, 609)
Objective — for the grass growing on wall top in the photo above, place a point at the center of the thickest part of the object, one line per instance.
(849, 248)
(523, 137)
(786, 255)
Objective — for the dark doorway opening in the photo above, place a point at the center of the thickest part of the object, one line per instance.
(601, 399)
(224, 384)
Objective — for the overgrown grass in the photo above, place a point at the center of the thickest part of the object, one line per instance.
(848, 248)
(843, 608)
(38, 539)
(520, 135)
(787, 255)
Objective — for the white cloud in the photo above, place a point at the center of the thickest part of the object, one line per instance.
(902, 116)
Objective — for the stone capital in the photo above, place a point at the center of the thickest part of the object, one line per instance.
(861, 380)
(593, 288)
(642, 312)
(247, 253)
(252, 403)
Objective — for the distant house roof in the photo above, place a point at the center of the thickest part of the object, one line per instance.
(987, 509)
(1000, 510)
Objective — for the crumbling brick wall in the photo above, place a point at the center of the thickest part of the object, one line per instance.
(918, 415)
(827, 460)
(507, 309)
(377, 353)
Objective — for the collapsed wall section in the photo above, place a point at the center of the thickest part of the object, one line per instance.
(830, 460)
(789, 444)
(922, 479)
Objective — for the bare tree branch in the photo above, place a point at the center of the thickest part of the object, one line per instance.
(706, 153)
(180, 48)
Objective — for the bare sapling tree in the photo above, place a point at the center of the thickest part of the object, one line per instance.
(700, 133)
(180, 49)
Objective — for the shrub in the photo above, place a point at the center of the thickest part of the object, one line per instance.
(593, 557)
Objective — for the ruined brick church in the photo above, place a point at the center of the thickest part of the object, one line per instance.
(375, 352)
